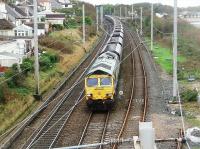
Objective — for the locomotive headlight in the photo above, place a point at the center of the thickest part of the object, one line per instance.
(109, 95)
(89, 95)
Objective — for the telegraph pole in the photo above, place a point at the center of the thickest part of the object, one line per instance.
(132, 12)
(120, 12)
(141, 21)
(37, 75)
(152, 27)
(83, 9)
(175, 52)
(101, 15)
(125, 10)
(97, 18)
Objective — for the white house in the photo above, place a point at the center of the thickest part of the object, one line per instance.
(8, 59)
(56, 18)
(6, 28)
(23, 30)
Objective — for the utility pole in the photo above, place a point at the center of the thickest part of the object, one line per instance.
(114, 11)
(175, 52)
(132, 12)
(141, 21)
(125, 10)
(37, 75)
(97, 18)
(120, 12)
(83, 9)
(152, 27)
(101, 15)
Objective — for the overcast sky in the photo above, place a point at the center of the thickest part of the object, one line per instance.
(181, 3)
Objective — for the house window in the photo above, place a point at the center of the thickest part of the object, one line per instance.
(15, 32)
(26, 33)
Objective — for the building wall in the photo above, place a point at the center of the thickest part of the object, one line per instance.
(13, 47)
(55, 22)
(6, 61)
(41, 32)
(23, 32)
(6, 33)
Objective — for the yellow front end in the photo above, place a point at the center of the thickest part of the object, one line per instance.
(99, 87)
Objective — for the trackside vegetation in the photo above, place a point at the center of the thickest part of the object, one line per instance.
(59, 51)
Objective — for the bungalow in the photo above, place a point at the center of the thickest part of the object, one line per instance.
(56, 18)
(6, 28)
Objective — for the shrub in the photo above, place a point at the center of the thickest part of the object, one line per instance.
(88, 20)
(47, 60)
(27, 65)
(70, 23)
(189, 95)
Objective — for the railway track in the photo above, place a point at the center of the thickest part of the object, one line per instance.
(137, 104)
(62, 94)
(95, 128)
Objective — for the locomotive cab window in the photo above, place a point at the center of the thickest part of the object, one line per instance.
(92, 82)
(105, 82)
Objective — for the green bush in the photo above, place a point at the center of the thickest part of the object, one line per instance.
(88, 20)
(189, 95)
(47, 60)
(70, 23)
(27, 65)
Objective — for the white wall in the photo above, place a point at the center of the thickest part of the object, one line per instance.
(41, 32)
(6, 33)
(6, 61)
(13, 47)
(55, 22)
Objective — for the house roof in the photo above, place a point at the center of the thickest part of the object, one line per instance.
(6, 25)
(18, 10)
(12, 12)
(40, 25)
(55, 15)
(23, 27)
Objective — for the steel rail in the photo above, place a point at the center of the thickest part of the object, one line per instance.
(92, 114)
(62, 101)
(130, 100)
(145, 82)
(29, 119)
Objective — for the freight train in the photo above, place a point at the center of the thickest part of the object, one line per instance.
(102, 77)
